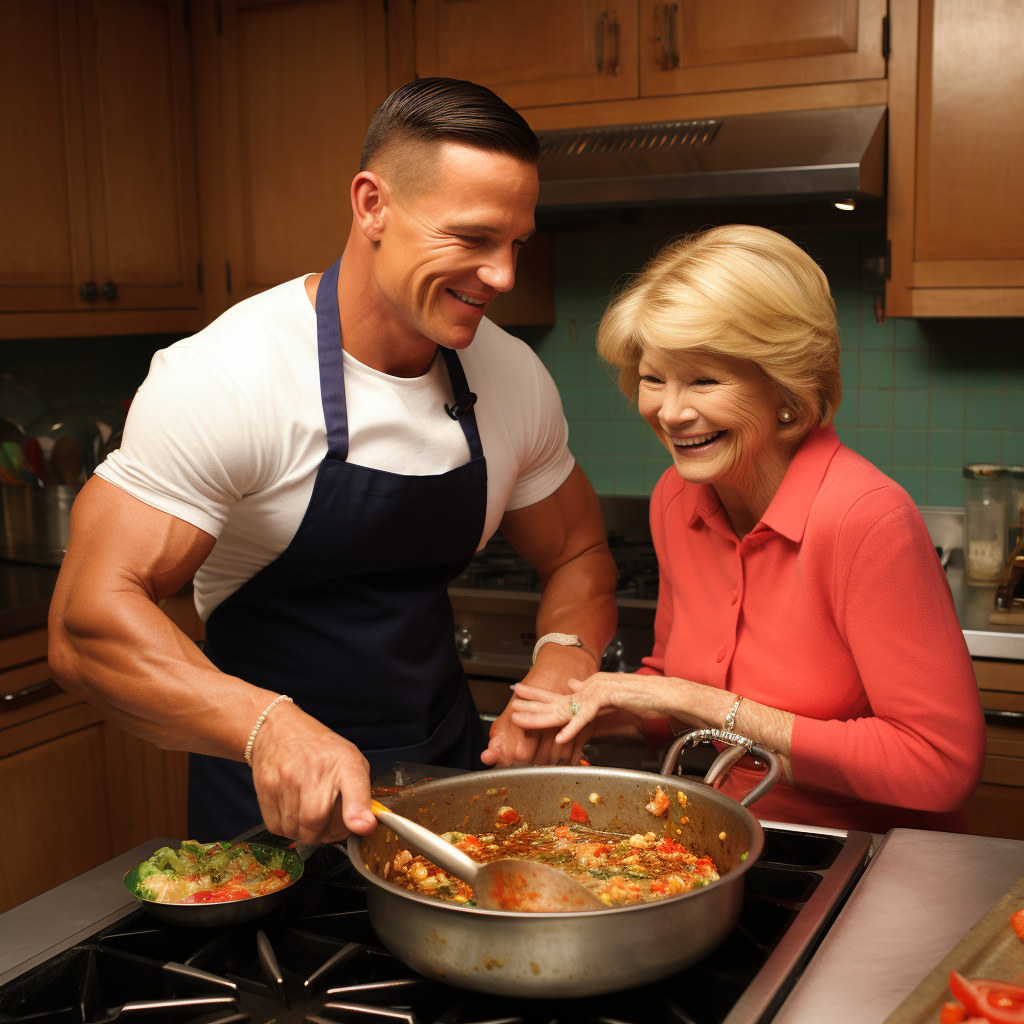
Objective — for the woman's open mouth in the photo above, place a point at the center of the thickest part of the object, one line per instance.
(697, 444)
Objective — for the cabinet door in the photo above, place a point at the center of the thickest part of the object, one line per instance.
(301, 79)
(532, 53)
(695, 46)
(44, 222)
(956, 207)
(141, 153)
(53, 802)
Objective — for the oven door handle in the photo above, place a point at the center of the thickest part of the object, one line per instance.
(28, 691)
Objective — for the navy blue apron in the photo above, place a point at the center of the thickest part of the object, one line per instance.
(353, 619)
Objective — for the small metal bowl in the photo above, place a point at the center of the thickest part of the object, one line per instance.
(220, 915)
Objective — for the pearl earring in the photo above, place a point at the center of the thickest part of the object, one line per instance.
(785, 415)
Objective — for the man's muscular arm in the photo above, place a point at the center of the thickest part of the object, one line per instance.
(563, 537)
(110, 643)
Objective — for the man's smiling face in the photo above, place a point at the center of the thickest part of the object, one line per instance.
(450, 243)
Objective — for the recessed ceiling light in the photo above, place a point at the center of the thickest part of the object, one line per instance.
(845, 204)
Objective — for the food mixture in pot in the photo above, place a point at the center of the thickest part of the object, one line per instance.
(619, 869)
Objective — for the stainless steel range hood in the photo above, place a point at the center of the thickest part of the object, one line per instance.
(834, 154)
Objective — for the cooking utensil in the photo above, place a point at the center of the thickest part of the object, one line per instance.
(506, 884)
(567, 954)
(220, 915)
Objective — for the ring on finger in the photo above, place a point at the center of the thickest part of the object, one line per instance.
(574, 708)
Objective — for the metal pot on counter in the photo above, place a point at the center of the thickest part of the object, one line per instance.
(571, 954)
(42, 468)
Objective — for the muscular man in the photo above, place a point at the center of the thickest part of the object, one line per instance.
(314, 458)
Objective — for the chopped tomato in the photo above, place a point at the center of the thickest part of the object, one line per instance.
(704, 865)
(996, 1001)
(670, 849)
(470, 845)
(226, 894)
(563, 832)
(952, 1013)
(578, 813)
(508, 815)
(1017, 923)
(659, 886)
(584, 762)
(660, 803)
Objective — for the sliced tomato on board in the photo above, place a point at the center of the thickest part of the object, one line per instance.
(996, 1001)
(952, 1013)
(1017, 923)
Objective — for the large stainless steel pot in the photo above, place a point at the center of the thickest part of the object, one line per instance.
(574, 954)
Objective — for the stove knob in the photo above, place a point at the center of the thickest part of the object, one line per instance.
(463, 642)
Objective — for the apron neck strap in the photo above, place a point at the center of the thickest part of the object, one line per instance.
(332, 363)
(332, 373)
(460, 387)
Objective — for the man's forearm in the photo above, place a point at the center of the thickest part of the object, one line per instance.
(579, 598)
(122, 654)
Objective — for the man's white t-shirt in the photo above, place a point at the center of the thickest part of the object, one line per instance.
(227, 432)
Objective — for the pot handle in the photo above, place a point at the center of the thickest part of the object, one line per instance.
(738, 746)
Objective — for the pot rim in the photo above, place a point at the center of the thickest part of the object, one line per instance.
(353, 845)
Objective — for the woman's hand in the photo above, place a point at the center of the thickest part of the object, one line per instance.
(604, 692)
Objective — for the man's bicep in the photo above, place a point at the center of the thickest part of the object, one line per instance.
(563, 526)
(118, 542)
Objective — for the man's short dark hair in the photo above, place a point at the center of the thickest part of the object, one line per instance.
(436, 110)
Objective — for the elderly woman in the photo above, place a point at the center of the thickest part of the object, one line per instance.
(802, 603)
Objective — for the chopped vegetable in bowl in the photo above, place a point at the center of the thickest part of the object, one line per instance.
(212, 873)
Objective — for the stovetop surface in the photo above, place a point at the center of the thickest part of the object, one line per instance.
(317, 960)
(499, 567)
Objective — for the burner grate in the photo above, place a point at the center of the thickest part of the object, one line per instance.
(317, 961)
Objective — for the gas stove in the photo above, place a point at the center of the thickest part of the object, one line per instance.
(499, 568)
(317, 960)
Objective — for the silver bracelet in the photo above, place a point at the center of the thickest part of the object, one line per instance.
(259, 724)
(730, 719)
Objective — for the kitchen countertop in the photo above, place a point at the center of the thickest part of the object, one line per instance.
(921, 893)
(25, 592)
(973, 607)
(973, 604)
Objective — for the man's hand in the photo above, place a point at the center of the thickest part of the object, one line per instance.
(563, 538)
(510, 744)
(312, 785)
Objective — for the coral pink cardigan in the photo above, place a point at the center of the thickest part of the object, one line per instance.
(833, 607)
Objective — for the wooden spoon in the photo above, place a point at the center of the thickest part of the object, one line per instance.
(507, 884)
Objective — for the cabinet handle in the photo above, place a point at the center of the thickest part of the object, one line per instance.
(1000, 717)
(88, 291)
(599, 41)
(613, 25)
(671, 10)
(109, 291)
(28, 691)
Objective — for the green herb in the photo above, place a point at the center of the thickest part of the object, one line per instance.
(743, 856)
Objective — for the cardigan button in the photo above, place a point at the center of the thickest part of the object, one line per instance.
(721, 655)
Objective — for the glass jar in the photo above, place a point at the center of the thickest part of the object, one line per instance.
(984, 522)
(1014, 504)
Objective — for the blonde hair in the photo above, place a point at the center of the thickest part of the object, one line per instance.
(739, 291)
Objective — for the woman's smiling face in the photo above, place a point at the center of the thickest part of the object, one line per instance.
(717, 415)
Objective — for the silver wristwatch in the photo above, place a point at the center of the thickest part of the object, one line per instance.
(564, 639)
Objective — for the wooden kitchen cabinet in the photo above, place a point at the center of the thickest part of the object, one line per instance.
(75, 790)
(696, 46)
(102, 235)
(286, 90)
(997, 808)
(533, 52)
(956, 148)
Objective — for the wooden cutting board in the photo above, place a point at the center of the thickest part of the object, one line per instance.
(990, 949)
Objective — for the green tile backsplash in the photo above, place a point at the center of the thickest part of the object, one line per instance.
(921, 397)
